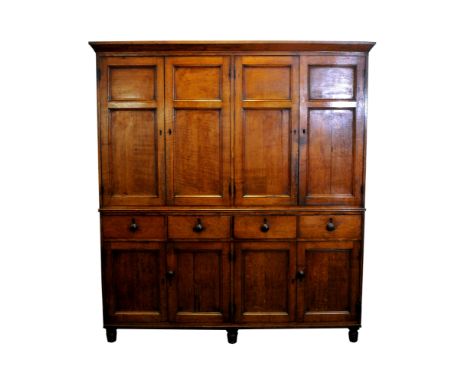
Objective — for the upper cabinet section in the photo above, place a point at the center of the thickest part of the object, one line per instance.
(332, 130)
(131, 114)
(198, 130)
(266, 117)
(222, 124)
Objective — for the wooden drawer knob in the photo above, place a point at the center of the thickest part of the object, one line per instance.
(264, 227)
(198, 227)
(133, 226)
(330, 225)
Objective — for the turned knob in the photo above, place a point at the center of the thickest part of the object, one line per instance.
(198, 227)
(170, 274)
(300, 274)
(330, 225)
(133, 226)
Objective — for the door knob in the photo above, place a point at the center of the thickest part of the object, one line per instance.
(300, 275)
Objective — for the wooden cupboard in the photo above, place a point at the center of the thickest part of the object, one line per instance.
(232, 184)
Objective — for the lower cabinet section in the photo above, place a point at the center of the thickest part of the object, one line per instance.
(232, 284)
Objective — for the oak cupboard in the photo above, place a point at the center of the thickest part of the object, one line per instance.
(232, 184)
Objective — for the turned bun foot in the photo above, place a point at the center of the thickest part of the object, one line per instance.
(111, 334)
(232, 336)
(353, 334)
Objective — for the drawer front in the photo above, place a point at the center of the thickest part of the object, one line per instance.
(329, 227)
(133, 227)
(199, 227)
(265, 227)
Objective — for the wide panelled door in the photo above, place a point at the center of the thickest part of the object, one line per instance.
(332, 130)
(198, 130)
(266, 121)
(131, 107)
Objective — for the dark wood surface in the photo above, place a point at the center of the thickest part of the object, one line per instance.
(232, 180)
(239, 46)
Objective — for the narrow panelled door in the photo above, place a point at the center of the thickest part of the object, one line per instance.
(132, 130)
(198, 281)
(332, 130)
(266, 139)
(198, 130)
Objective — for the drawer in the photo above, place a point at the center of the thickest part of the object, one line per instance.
(199, 227)
(330, 227)
(133, 227)
(265, 227)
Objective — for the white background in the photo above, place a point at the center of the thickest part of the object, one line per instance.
(415, 287)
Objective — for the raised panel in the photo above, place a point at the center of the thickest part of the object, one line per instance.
(134, 145)
(267, 153)
(267, 82)
(134, 291)
(135, 276)
(197, 82)
(199, 291)
(132, 83)
(330, 152)
(197, 159)
(327, 280)
(263, 288)
(331, 82)
(265, 281)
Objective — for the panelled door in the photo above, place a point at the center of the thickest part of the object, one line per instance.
(332, 130)
(328, 286)
(198, 130)
(133, 282)
(131, 129)
(264, 282)
(266, 136)
(198, 275)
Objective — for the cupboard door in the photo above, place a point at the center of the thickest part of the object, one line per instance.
(266, 139)
(328, 289)
(131, 120)
(133, 282)
(264, 281)
(198, 130)
(198, 276)
(332, 130)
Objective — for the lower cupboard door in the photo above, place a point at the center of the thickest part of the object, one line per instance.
(198, 275)
(328, 290)
(264, 281)
(133, 283)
